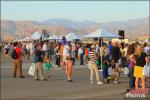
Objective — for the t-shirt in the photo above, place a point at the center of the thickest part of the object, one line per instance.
(6, 47)
(38, 56)
(66, 50)
(45, 47)
(97, 48)
(27, 46)
(92, 56)
(116, 53)
(19, 50)
(132, 64)
(146, 49)
(110, 48)
(80, 51)
(140, 60)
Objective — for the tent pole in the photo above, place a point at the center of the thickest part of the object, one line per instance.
(101, 55)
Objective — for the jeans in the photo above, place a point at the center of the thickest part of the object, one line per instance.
(76, 53)
(50, 53)
(132, 78)
(81, 59)
(57, 61)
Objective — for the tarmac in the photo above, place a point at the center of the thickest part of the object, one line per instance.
(57, 88)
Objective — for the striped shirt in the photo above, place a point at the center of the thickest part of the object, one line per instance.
(92, 56)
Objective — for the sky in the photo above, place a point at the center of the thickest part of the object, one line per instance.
(96, 11)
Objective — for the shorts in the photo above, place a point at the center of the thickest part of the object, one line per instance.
(138, 72)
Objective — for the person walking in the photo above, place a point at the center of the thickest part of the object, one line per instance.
(57, 56)
(92, 66)
(69, 67)
(6, 47)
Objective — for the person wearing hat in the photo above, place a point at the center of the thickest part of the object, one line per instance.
(92, 65)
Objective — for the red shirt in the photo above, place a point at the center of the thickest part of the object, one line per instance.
(18, 50)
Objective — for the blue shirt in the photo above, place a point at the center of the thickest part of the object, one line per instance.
(110, 48)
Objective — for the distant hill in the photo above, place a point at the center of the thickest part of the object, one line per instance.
(134, 28)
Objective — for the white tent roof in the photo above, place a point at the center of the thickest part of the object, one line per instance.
(15, 40)
(72, 36)
(36, 35)
(54, 37)
(27, 39)
(103, 34)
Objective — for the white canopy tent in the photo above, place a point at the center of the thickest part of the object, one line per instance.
(72, 36)
(16, 40)
(36, 35)
(54, 37)
(27, 39)
(100, 33)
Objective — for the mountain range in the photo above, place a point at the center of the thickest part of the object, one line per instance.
(133, 28)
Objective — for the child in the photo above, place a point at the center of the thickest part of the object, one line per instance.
(48, 65)
(69, 68)
(57, 58)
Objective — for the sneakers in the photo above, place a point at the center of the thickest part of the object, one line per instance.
(44, 80)
(99, 82)
(37, 79)
(116, 82)
(70, 81)
(22, 76)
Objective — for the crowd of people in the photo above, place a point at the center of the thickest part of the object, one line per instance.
(112, 58)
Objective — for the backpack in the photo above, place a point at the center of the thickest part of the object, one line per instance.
(14, 54)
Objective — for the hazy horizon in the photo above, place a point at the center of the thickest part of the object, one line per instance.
(95, 11)
(75, 20)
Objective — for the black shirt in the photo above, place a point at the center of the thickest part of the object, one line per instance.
(140, 60)
(38, 56)
(116, 53)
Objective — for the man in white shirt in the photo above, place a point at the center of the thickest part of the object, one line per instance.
(28, 49)
(6, 47)
(80, 53)
(146, 48)
(45, 48)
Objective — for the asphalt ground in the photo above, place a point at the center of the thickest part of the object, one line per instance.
(57, 88)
